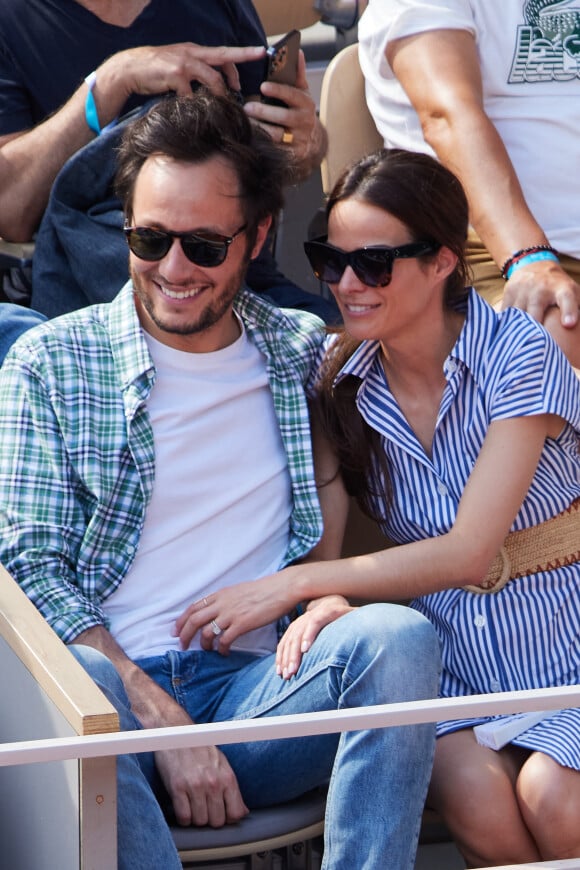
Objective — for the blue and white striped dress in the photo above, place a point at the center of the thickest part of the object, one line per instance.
(528, 634)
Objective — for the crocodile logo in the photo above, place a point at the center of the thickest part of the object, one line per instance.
(548, 44)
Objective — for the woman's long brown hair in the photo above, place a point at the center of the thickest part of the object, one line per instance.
(429, 200)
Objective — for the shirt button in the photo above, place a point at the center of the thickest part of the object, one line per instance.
(495, 686)
(442, 489)
(451, 366)
(130, 549)
(479, 621)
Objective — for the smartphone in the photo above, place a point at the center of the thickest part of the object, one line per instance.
(282, 63)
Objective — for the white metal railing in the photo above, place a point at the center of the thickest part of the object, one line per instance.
(298, 725)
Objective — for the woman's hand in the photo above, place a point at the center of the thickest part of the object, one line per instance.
(303, 631)
(223, 616)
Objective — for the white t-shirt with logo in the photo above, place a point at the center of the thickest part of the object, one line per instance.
(529, 54)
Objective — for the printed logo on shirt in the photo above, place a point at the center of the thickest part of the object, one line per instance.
(548, 44)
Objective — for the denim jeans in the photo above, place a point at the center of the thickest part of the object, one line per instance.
(378, 778)
(14, 320)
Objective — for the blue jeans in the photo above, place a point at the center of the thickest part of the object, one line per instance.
(14, 320)
(378, 778)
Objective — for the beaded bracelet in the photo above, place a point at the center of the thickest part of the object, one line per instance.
(530, 258)
(91, 114)
(524, 254)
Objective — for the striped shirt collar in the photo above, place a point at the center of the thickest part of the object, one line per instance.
(480, 325)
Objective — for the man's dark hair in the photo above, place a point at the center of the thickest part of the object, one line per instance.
(196, 128)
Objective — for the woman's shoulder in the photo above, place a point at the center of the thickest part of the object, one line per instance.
(510, 329)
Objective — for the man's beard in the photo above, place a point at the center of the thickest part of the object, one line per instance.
(209, 315)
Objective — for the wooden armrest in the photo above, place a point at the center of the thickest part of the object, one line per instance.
(52, 665)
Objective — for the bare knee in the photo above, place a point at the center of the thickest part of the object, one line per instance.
(473, 789)
(549, 799)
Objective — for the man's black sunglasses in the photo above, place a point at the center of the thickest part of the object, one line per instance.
(204, 249)
(372, 265)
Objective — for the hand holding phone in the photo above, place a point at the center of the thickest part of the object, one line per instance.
(282, 63)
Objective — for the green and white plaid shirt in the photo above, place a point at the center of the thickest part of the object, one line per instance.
(77, 460)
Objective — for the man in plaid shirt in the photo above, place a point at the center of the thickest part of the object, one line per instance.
(157, 449)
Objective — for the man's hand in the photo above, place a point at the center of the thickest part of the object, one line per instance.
(200, 782)
(539, 286)
(160, 69)
(298, 119)
(202, 785)
(31, 159)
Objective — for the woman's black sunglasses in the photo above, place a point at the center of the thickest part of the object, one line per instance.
(204, 249)
(373, 265)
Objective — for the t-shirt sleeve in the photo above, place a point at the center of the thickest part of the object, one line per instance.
(529, 375)
(383, 22)
(15, 113)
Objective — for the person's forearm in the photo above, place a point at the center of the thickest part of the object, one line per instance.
(199, 781)
(29, 164)
(470, 146)
(149, 702)
(440, 72)
(395, 574)
(467, 143)
(496, 489)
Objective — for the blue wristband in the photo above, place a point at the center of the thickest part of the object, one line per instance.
(91, 114)
(531, 258)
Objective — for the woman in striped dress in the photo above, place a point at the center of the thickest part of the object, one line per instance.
(453, 426)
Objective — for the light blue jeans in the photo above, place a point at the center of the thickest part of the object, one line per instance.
(378, 778)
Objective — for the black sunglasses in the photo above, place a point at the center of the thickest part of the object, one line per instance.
(204, 249)
(373, 265)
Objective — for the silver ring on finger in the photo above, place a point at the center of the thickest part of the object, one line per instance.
(215, 628)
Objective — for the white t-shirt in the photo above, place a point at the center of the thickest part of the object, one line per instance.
(530, 61)
(221, 503)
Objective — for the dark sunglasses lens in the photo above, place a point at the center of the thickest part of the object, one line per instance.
(149, 245)
(373, 268)
(327, 264)
(204, 253)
